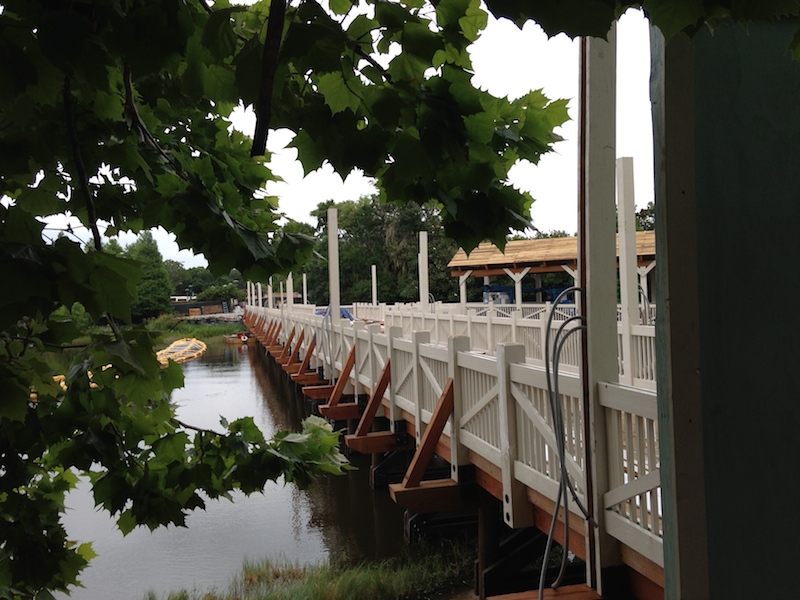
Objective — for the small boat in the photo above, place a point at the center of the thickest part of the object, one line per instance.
(243, 337)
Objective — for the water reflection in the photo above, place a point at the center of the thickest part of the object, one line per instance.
(338, 517)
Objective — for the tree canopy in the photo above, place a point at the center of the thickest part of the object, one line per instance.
(118, 114)
(154, 288)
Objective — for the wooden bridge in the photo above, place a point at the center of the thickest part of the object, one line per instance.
(471, 386)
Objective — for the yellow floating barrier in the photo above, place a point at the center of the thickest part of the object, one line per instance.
(181, 350)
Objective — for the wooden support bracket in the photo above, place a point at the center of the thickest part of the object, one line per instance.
(338, 389)
(317, 392)
(440, 494)
(379, 442)
(343, 411)
(365, 424)
(427, 446)
(286, 346)
(436, 495)
(306, 378)
(292, 358)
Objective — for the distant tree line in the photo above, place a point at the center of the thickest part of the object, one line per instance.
(161, 279)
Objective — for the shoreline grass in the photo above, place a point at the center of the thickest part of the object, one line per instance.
(424, 572)
(171, 328)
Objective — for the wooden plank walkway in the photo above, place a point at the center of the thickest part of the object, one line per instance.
(567, 592)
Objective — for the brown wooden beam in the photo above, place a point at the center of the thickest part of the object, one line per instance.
(317, 392)
(307, 378)
(338, 389)
(580, 591)
(293, 356)
(309, 353)
(379, 442)
(365, 424)
(436, 495)
(287, 345)
(427, 445)
(340, 412)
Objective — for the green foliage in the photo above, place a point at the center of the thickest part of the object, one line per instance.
(168, 328)
(646, 218)
(222, 292)
(154, 288)
(428, 570)
(594, 17)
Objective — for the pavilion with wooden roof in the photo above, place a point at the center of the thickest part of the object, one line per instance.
(539, 256)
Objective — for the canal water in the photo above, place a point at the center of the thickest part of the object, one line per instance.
(337, 518)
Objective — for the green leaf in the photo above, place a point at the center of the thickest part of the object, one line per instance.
(341, 7)
(480, 127)
(339, 95)
(218, 35)
(473, 22)
(672, 17)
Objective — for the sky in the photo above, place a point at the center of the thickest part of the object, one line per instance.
(507, 62)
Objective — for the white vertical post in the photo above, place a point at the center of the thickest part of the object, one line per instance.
(249, 293)
(418, 337)
(305, 289)
(392, 334)
(423, 270)
(374, 368)
(459, 454)
(282, 297)
(598, 272)
(258, 288)
(289, 291)
(333, 264)
(354, 374)
(629, 291)
(462, 286)
(374, 269)
(517, 510)
(270, 294)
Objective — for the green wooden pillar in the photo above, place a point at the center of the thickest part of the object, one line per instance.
(727, 134)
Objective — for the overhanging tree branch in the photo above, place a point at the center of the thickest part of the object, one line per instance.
(269, 66)
(83, 180)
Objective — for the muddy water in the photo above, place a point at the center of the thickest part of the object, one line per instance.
(338, 517)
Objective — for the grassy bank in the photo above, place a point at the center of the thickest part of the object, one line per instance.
(170, 328)
(424, 573)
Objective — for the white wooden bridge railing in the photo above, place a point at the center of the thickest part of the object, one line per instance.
(501, 409)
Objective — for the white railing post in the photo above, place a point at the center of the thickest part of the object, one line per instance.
(392, 334)
(422, 262)
(374, 368)
(374, 271)
(354, 374)
(489, 332)
(419, 337)
(333, 264)
(629, 291)
(517, 511)
(459, 454)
